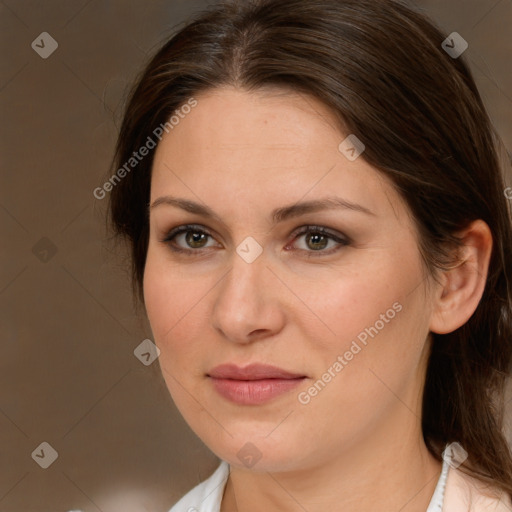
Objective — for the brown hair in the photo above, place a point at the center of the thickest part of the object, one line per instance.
(381, 69)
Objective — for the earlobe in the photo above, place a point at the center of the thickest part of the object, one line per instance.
(463, 285)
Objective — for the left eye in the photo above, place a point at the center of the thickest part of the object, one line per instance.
(316, 239)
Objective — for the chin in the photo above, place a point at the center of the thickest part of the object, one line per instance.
(256, 452)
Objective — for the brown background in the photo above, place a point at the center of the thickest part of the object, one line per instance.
(68, 374)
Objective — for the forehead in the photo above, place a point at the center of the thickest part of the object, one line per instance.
(269, 143)
(229, 119)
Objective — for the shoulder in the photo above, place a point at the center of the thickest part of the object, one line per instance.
(465, 493)
(206, 496)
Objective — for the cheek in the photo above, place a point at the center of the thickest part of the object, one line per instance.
(375, 320)
(340, 305)
(175, 308)
(175, 305)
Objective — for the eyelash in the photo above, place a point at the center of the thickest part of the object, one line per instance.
(319, 230)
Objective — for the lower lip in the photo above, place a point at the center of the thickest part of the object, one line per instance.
(253, 392)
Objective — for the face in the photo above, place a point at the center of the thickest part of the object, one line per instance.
(333, 295)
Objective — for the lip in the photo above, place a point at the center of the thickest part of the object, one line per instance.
(253, 384)
(255, 371)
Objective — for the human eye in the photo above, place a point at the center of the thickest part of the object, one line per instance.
(191, 239)
(317, 238)
(194, 236)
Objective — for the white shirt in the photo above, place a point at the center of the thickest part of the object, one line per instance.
(207, 496)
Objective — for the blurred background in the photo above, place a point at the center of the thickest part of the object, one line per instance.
(68, 373)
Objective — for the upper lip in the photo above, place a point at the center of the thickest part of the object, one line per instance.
(255, 371)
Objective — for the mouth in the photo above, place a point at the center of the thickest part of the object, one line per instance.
(254, 384)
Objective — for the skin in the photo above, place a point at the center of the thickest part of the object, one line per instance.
(357, 445)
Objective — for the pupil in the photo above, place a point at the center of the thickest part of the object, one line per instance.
(315, 238)
(193, 238)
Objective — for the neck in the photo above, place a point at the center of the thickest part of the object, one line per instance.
(373, 475)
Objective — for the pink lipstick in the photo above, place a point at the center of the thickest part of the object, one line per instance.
(253, 384)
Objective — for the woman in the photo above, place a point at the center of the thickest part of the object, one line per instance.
(321, 240)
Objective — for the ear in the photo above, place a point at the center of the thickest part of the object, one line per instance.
(463, 286)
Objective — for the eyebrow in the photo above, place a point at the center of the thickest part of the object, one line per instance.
(278, 215)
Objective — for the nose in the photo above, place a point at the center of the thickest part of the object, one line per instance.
(248, 305)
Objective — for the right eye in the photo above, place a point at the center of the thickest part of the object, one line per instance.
(193, 239)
